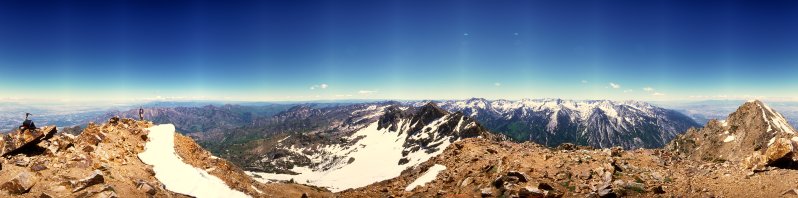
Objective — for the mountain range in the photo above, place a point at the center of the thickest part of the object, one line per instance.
(412, 149)
(597, 123)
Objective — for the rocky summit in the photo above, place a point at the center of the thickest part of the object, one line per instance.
(102, 161)
(755, 135)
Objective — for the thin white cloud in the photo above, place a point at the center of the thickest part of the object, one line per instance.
(319, 86)
(628, 90)
(367, 91)
(498, 84)
(657, 94)
(615, 86)
(648, 89)
(583, 81)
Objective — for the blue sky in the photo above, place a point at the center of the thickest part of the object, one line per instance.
(310, 50)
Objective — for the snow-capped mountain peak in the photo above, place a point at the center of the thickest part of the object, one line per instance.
(599, 123)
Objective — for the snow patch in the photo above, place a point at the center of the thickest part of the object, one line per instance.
(777, 119)
(176, 175)
(427, 177)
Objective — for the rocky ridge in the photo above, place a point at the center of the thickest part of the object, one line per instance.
(754, 135)
(102, 162)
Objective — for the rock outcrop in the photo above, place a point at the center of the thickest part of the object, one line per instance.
(754, 135)
(13, 142)
(102, 162)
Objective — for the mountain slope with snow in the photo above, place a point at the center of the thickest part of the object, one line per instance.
(597, 123)
(400, 138)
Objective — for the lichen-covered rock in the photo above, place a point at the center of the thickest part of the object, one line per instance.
(780, 148)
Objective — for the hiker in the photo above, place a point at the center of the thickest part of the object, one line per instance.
(27, 124)
(141, 113)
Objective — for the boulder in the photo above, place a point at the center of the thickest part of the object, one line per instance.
(15, 142)
(93, 179)
(778, 150)
(486, 192)
(755, 162)
(521, 176)
(38, 166)
(105, 192)
(466, 181)
(531, 192)
(20, 184)
(145, 187)
(503, 180)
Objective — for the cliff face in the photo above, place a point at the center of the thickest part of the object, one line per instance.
(104, 161)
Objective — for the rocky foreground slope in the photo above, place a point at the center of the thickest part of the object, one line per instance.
(702, 163)
(104, 161)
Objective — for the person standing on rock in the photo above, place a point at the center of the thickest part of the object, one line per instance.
(141, 113)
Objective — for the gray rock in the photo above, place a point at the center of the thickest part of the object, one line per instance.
(486, 192)
(657, 176)
(146, 187)
(22, 161)
(466, 182)
(605, 191)
(530, 192)
(93, 179)
(521, 176)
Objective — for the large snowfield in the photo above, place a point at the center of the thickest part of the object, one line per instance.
(175, 174)
(375, 159)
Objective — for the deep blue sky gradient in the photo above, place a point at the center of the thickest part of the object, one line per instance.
(278, 50)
